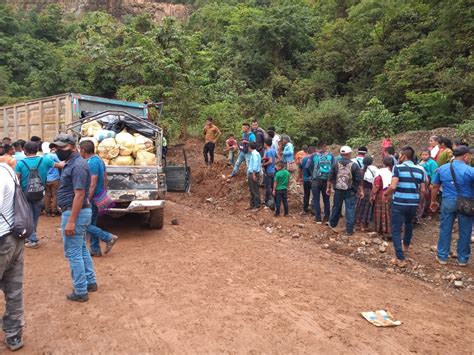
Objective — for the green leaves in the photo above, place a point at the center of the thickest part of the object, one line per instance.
(330, 69)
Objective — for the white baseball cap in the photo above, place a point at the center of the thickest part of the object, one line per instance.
(45, 148)
(345, 149)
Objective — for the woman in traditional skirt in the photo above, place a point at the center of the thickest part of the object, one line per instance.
(382, 210)
(364, 204)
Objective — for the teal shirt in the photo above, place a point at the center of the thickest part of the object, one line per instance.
(430, 167)
(32, 163)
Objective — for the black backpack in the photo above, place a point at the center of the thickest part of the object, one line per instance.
(23, 225)
(34, 187)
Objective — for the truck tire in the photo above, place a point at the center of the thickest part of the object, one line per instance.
(156, 218)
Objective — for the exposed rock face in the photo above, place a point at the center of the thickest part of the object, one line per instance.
(118, 8)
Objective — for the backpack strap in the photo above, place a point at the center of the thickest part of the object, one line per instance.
(413, 177)
(453, 175)
(37, 166)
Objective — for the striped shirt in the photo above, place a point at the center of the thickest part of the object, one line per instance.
(410, 177)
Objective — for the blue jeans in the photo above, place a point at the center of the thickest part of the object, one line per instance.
(97, 234)
(402, 215)
(241, 158)
(35, 207)
(75, 250)
(448, 215)
(348, 197)
(281, 196)
(319, 187)
(232, 154)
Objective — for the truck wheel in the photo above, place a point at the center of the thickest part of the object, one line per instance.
(156, 218)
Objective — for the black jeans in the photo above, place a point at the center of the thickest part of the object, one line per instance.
(319, 188)
(281, 196)
(307, 195)
(209, 152)
(268, 186)
(254, 191)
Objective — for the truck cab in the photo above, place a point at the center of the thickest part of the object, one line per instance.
(140, 189)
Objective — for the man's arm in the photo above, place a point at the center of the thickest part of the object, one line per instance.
(392, 187)
(77, 203)
(94, 179)
(434, 205)
(219, 133)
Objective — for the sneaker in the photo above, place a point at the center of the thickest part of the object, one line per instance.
(326, 220)
(276, 215)
(77, 298)
(463, 264)
(96, 254)
(110, 244)
(442, 262)
(349, 234)
(334, 229)
(14, 343)
(92, 287)
(32, 245)
(318, 221)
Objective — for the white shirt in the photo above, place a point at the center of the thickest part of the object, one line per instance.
(276, 142)
(7, 193)
(371, 173)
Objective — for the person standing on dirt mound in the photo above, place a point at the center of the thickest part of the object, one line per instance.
(457, 180)
(244, 155)
(11, 262)
(253, 172)
(260, 136)
(408, 183)
(97, 192)
(211, 135)
(76, 216)
(345, 176)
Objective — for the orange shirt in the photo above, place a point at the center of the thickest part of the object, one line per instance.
(211, 133)
(299, 157)
(8, 160)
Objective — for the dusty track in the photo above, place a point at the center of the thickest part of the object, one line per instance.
(213, 285)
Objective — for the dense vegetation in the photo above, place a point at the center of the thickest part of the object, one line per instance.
(327, 69)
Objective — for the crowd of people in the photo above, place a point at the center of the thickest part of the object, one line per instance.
(63, 179)
(388, 197)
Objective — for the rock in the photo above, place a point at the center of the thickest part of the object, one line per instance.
(451, 277)
(269, 230)
(174, 222)
(377, 241)
(382, 249)
(295, 235)
(434, 248)
(385, 244)
(458, 284)
(301, 225)
(325, 246)
(390, 270)
(210, 200)
(425, 245)
(262, 222)
(332, 239)
(373, 234)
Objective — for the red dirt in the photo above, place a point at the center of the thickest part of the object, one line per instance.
(219, 282)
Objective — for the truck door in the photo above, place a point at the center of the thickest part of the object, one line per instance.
(178, 173)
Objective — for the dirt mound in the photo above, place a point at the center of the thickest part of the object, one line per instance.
(418, 140)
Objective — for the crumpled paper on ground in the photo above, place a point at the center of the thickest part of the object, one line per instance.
(381, 318)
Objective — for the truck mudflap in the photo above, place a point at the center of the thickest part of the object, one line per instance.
(139, 206)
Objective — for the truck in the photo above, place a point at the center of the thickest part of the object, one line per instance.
(134, 189)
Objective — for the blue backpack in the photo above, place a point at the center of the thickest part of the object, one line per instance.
(323, 167)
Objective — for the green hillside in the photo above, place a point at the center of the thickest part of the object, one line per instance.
(328, 69)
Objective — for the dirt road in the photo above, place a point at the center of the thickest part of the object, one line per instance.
(213, 285)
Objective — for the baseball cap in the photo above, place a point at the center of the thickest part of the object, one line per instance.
(62, 140)
(45, 148)
(461, 150)
(345, 149)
